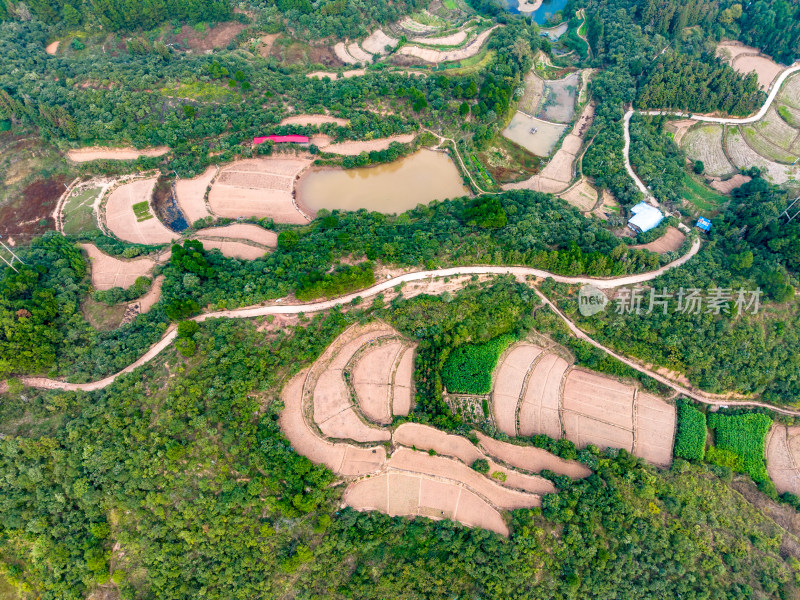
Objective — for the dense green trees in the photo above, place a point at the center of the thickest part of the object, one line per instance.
(701, 84)
(468, 369)
(690, 440)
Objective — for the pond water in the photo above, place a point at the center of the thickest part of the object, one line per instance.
(535, 135)
(541, 14)
(390, 188)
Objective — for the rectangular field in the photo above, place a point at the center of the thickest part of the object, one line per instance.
(599, 397)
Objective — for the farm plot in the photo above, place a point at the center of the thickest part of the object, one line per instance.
(127, 205)
(557, 174)
(356, 52)
(726, 186)
(146, 302)
(654, 426)
(679, 129)
(314, 120)
(454, 39)
(342, 459)
(78, 212)
(764, 67)
(539, 410)
(99, 153)
(403, 494)
(377, 41)
(232, 249)
(558, 99)
(191, 194)
(354, 148)
(509, 383)
(534, 90)
(764, 146)
(332, 75)
(109, 272)
(531, 458)
(582, 196)
(777, 131)
(783, 458)
(537, 136)
(425, 437)
(439, 56)
(790, 92)
(258, 188)
(669, 242)
(704, 143)
(744, 157)
(373, 380)
(242, 231)
(343, 55)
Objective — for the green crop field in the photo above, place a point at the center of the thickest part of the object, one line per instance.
(739, 443)
(469, 368)
(690, 442)
(142, 211)
(703, 198)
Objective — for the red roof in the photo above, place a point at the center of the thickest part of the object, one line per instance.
(278, 139)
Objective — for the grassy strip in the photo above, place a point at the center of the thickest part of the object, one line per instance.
(703, 198)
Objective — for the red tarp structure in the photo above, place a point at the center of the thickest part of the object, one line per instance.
(280, 139)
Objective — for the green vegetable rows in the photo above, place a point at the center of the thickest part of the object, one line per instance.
(690, 443)
(468, 369)
(742, 435)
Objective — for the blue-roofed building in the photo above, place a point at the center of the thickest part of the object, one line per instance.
(645, 217)
(703, 224)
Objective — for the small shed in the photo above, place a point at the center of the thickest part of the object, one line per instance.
(282, 139)
(645, 217)
(703, 224)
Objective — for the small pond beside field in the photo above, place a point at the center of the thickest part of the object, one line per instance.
(535, 135)
(390, 188)
(541, 14)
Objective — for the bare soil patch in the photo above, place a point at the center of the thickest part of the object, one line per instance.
(377, 41)
(765, 68)
(454, 39)
(534, 90)
(232, 249)
(102, 317)
(122, 221)
(313, 120)
(152, 296)
(191, 195)
(599, 397)
(343, 55)
(539, 409)
(372, 379)
(402, 494)
(425, 437)
(655, 428)
(728, 185)
(31, 213)
(265, 47)
(556, 174)
(356, 52)
(558, 99)
(508, 384)
(334, 75)
(258, 188)
(439, 56)
(219, 36)
(242, 231)
(52, 47)
(783, 457)
(582, 196)
(354, 148)
(669, 242)
(101, 153)
(109, 272)
(343, 459)
(531, 458)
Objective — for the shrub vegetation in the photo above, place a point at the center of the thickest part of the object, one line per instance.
(468, 369)
(690, 442)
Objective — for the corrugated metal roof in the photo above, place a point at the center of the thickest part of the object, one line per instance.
(645, 217)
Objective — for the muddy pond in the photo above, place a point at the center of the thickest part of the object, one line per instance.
(389, 188)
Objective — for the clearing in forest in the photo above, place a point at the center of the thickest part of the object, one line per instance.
(356, 147)
(314, 120)
(129, 217)
(439, 56)
(77, 214)
(258, 187)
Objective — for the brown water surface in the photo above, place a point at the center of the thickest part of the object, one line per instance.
(390, 188)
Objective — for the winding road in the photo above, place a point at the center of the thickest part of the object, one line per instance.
(520, 273)
(773, 93)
